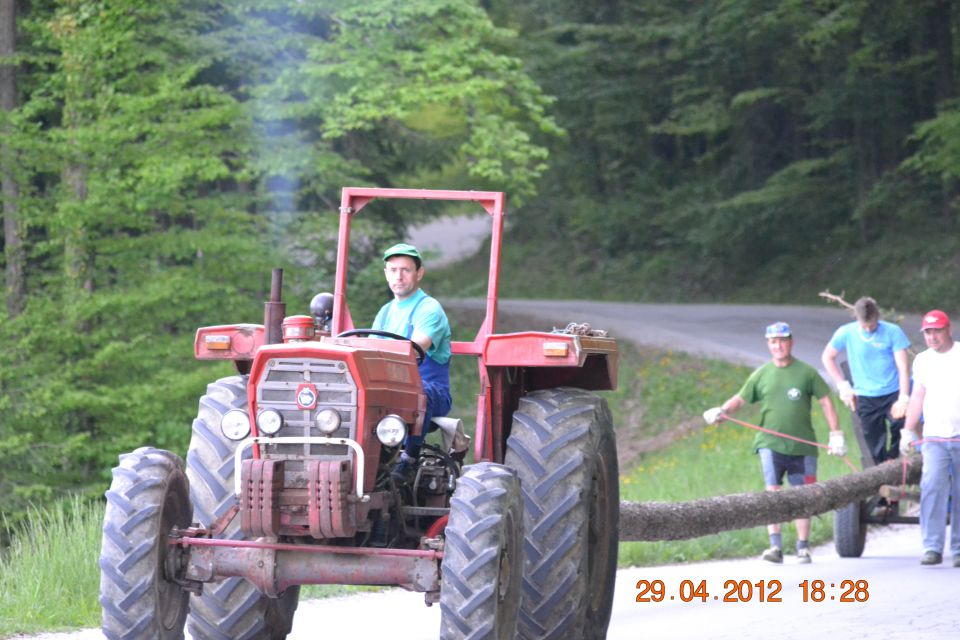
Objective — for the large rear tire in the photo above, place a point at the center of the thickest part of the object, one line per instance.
(146, 500)
(563, 448)
(482, 563)
(850, 530)
(232, 609)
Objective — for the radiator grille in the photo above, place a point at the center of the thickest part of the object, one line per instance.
(277, 389)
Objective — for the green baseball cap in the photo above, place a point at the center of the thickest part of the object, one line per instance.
(402, 249)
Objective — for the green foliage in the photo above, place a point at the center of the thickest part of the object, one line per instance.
(170, 154)
(712, 144)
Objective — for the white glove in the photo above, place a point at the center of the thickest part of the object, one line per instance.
(907, 438)
(712, 416)
(836, 446)
(846, 394)
(899, 408)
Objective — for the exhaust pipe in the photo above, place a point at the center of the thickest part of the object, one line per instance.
(274, 310)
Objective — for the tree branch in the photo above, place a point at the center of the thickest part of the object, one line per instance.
(835, 298)
(648, 521)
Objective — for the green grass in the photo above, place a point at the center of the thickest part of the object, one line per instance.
(49, 577)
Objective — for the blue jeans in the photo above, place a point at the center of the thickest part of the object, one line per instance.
(940, 479)
(438, 405)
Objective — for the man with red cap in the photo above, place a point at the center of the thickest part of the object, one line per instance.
(936, 397)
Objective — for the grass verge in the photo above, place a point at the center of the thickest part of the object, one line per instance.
(49, 575)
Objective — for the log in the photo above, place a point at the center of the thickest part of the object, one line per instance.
(648, 521)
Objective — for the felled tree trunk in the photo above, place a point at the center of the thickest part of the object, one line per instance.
(682, 520)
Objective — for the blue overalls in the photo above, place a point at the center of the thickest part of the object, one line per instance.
(436, 386)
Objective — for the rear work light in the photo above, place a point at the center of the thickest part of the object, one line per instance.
(556, 349)
(217, 343)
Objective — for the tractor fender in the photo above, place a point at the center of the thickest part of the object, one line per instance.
(555, 359)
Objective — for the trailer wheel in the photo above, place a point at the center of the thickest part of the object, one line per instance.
(482, 563)
(232, 608)
(563, 447)
(850, 530)
(147, 498)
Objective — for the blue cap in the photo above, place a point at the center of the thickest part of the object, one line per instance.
(778, 330)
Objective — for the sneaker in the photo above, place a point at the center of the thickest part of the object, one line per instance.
(803, 556)
(773, 554)
(933, 557)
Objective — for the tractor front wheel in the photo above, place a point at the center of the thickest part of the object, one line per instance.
(232, 607)
(148, 497)
(563, 448)
(482, 562)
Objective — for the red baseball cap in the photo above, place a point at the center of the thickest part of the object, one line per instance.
(935, 319)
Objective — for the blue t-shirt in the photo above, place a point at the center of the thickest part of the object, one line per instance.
(420, 312)
(872, 366)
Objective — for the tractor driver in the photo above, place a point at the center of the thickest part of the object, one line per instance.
(419, 318)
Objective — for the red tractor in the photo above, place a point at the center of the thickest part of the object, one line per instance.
(287, 479)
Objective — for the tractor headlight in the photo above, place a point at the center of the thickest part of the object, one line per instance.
(328, 420)
(269, 422)
(391, 430)
(235, 425)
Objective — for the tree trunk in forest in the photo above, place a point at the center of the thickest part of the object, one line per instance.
(78, 256)
(15, 286)
(648, 521)
(940, 21)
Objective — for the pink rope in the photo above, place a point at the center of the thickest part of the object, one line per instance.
(785, 435)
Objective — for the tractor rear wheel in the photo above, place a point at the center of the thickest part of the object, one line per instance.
(850, 530)
(232, 608)
(482, 562)
(563, 448)
(146, 500)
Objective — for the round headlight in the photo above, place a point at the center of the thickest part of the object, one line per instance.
(328, 420)
(235, 424)
(391, 430)
(269, 422)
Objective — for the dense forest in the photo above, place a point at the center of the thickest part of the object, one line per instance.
(157, 158)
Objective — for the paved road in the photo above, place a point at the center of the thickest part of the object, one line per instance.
(902, 600)
(730, 332)
(905, 600)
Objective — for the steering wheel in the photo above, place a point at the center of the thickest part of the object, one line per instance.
(421, 354)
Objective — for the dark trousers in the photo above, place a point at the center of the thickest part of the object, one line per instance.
(874, 414)
(438, 405)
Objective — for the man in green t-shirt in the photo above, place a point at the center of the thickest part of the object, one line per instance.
(784, 387)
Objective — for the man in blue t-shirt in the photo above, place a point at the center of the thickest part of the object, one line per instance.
(419, 318)
(877, 353)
